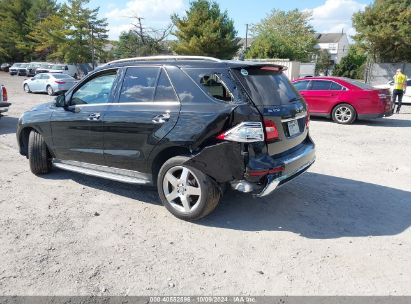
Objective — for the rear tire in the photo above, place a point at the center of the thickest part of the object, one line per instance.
(186, 192)
(50, 90)
(40, 161)
(344, 114)
(26, 88)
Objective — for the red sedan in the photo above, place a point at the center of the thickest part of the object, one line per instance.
(344, 99)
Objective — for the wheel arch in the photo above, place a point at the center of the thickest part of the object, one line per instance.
(24, 140)
(340, 103)
(161, 157)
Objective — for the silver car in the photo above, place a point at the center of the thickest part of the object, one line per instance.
(49, 82)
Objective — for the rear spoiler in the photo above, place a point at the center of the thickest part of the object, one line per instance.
(267, 65)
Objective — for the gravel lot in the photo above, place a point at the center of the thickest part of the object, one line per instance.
(343, 228)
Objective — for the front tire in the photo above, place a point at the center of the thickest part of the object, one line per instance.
(186, 192)
(50, 90)
(39, 158)
(344, 114)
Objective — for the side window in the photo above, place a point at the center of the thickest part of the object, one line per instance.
(95, 91)
(302, 85)
(320, 85)
(212, 84)
(409, 83)
(164, 90)
(336, 87)
(44, 76)
(139, 84)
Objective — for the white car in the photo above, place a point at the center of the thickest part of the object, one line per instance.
(69, 69)
(390, 85)
(50, 83)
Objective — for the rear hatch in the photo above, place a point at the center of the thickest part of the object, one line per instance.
(282, 108)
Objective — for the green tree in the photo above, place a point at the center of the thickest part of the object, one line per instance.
(384, 30)
(352, 65)
(86, 35)
(323, 62)
(286, 35)
(13, 29)
(205, 31)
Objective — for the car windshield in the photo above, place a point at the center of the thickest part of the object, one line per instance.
(58, 67)
(45, 66)
(359, 84)
(16, 65)
(24, 65)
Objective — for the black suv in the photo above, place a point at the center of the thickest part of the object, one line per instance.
(190, 125)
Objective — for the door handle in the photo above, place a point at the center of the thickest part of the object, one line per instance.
(94, 116)
(162, 118)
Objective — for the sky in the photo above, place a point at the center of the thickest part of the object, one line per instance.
(328, 15)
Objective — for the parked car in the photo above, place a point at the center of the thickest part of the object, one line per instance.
(4, 105)
(69, 69)
(5, 67)
(189, 125)
(13, 70)
(32, 68)
(344, 99)
(49, 83)
(44, 68)
(390, 85)
(22, 69)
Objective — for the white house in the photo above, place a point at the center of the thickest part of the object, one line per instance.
(336, 44)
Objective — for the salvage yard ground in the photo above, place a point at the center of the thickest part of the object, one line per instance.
(343, 228)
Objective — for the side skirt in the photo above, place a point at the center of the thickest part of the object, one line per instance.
(115, 174)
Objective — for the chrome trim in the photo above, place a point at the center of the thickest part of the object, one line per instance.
(299, 116)
(144, 103)
(274, 184)
(154, 58)
(116, 174)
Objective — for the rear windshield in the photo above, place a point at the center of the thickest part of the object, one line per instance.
(266, 85)
(359, 84)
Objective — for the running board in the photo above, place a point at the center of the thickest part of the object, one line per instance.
(115, 174)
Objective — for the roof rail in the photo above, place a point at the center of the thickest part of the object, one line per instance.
(176, 58)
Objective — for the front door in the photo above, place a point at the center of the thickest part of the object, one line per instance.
(320, 96)
(146, 111)
(78, 129)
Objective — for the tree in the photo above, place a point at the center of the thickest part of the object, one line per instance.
(323, 64)
(86, 35)
(141, 41)
(352, 65)
(384, 30)
(13, 15)
(205, 31)
(286, 35)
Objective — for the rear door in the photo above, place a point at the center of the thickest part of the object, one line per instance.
(321, 96)
(146, 110)
(278, 102)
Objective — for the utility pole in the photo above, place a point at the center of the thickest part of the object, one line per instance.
(246, 36)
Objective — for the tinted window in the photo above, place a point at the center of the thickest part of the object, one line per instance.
(336, 87)
(164, 91)
(43, 76)
(320, 85)
(409, 83)
(139, 85)
(301, 85)
(95, 91)
(267, 85)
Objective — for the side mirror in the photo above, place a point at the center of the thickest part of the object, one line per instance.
(61, 101)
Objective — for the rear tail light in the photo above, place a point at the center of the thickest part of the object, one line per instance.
(246, 132)
(60, 82)
(266, 172)
(270, 130)
(4, 93)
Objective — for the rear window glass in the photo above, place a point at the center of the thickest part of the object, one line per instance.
(359, 84)
(409, 83)
(265, 86)
(336, 87)
(164, 90)
(320, 85)
(139, 84)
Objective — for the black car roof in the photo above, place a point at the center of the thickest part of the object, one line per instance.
(187, 62)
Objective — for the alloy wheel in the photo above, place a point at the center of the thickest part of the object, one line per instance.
(50, 90)
(26, 88)
(182, 189)
(343, 114)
